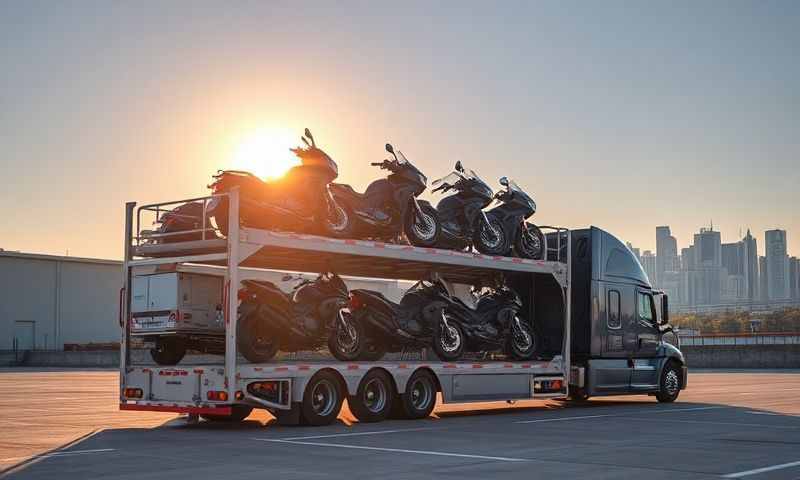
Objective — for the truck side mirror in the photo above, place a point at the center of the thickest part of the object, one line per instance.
(664, 310)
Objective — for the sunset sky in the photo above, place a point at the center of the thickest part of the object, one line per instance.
(625, 115)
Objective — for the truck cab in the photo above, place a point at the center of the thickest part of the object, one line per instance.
(621, 338)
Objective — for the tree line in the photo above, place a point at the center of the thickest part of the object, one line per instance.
(779, 321)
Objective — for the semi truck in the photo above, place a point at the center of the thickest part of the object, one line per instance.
(600, 326)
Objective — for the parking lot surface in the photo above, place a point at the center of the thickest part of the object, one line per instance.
(65, 424)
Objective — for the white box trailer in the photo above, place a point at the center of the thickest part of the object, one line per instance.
(312, 391)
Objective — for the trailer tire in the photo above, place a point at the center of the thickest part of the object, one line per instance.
(322, 399)
(238, 414)
(419, 397)
(374, 398)
(669, 387)
(169, 350)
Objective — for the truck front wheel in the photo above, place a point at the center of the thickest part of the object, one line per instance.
(168, 350)
(670, 384)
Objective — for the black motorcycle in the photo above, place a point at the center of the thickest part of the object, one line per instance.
(299, 201)
(461, 214)
(271, 320)
(388, 208)
(494, 323)
(506, 229)
(184, 223)
(372, 324)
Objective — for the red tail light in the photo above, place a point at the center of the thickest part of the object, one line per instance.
(217, 395)
(355, 302)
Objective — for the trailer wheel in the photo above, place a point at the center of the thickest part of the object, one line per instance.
(670, 384)
(169, 350)
(238, 413)
(373, 400)
(419, 399)
(322, 399)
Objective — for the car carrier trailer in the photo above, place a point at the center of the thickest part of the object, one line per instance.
(312, 391)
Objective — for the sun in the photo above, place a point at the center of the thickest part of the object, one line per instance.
(265, 153)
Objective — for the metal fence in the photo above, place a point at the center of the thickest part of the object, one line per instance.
(741, 339)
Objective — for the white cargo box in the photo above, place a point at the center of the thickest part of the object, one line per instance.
(177, 302)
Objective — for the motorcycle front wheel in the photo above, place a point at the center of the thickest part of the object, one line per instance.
(522, 340)
(422, 229)
(530, 242)
(491, 239)
(448, 339)
(347, 341)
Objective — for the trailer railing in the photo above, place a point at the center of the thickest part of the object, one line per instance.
(157, 213)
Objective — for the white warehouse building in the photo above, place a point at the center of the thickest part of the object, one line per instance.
(47, 301)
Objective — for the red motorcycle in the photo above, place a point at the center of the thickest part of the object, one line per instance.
(298, 202)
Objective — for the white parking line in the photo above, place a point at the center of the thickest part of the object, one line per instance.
(352, 434)
(661, 411)
(397, 450)
(755, 471)
(67, 453)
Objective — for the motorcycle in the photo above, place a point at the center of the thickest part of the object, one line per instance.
(388, 208)
(372, 324)
(184, 218)
(505, 226)
(271, 320)
(300, 201)
(494, 323)
(462, 213)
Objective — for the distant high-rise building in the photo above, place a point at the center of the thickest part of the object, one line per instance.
(750, 266)
(635, 251)
(763, 291)
(794, 278)
(777, 264)
(666, 253)
(734, 287)
(706, 279)
(649, 264)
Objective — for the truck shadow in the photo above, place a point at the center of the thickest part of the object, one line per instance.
(176, 442)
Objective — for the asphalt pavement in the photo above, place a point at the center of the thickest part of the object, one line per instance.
(725, 425)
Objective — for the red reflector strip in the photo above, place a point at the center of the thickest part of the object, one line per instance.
(176, 409)
(352, 367)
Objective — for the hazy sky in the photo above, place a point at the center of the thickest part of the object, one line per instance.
(625, 115)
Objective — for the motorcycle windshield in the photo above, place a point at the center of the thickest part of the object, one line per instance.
(409, 171)
(450, 179)
(521, 195)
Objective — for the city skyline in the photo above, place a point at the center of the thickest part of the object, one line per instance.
(709, 271)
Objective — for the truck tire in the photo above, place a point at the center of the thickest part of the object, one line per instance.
(253, 341)
(169, 350)
(419, 398)
(322, 399)
(373, 400)
(670, 383)
(238, 413)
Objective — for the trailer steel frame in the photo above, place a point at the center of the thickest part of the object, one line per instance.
(247, 247)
